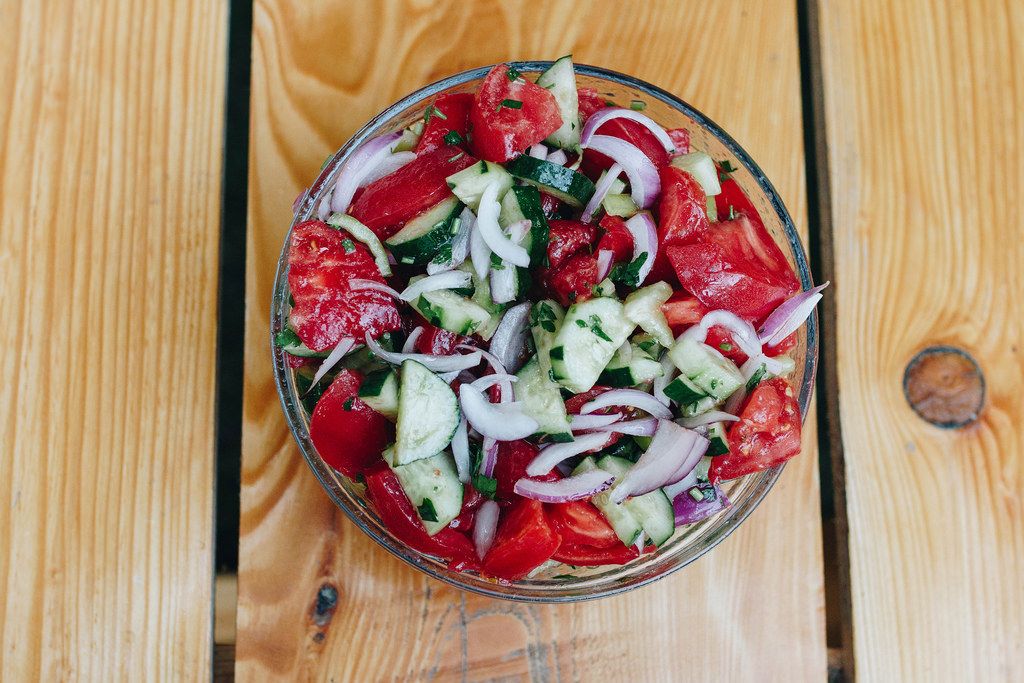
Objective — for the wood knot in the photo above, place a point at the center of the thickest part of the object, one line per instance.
(324, 605)
(945, 386)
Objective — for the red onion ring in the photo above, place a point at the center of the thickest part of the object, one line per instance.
(604, 185)
(358, 283)
(550, 456)
(582, 423)
(603, 116)
(645, 426)
(488, 381)
(489, 456)
(460, 449)
(500, 421)
(509, 339)
(450, 279)
(576, 487)
(485, 524)
(645, 241)
(343, 347)
(387, 166)
(558, 157)
(604, 263)
(451, 363)
(789, 316)
(538, 151)
(410, 342)
(707, 418)
(360, 163)
(673, 452)
(644, 183)
(487, 226)
(627, 397)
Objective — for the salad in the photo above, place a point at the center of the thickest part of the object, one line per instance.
(538, 327)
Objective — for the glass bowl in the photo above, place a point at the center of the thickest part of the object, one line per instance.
(689, 542)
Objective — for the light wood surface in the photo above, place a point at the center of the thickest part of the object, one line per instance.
(753, 609)
(925, 116)
(110, 146)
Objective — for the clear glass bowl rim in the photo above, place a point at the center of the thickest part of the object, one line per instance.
(282, 375)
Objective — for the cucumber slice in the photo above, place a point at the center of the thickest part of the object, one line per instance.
(706, 368)
(652, 510)
(543, 402)
(644, 308)
(445, 309)
(691, 398)
(572, 187)
(588, 338)
(629, 367)
(380, 391)
(626, 526)
(433, 487)
(621, 205)
(410, 138)
(702, 168)
(421, 238)
(604, 288)
(289, 341)
(560, 80)
(711, 208)
(523, 202)
(428, 414)
(469, 183)
(545, 318)
(363, 234)
(719, 441)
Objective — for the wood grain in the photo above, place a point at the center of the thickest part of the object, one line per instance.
(110, 135)
(752, 609)
(925, 114)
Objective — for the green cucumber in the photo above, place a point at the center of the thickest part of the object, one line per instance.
(621, 205)
(629, 367)
(432, 486)
(289, 342)
(604, 288)
(644, 308)
(560, 81)
(627, 527)
(719, 441)
(587, 339)
(542, 401)
(572, 187)
(424, 236)
(523, 203)
(469, 183)
(706, 368)
(379, 390)
(702, 168)
(652, 510)
(428, 414)
(363, 234)
(545, 318)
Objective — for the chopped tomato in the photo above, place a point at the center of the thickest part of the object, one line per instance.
(513, 457)
(624, 129)
(565, 238)
(681, 138)
(735, 266)
(399, 516)
(321, 263)
(297, 361)
(551, 206)
(387, 203)
(524, 541)
(574, 280)
(767, 434)
(439, 342)
(681, 311)
(471, 500)
(587, 556)
(682, 216)
(348, 434)
(448, 113)
(616, 238)
(509, 114)
(580, 523)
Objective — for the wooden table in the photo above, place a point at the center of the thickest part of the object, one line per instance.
(112, 133)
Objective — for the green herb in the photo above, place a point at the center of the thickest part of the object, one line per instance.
(696, 494)
(510, 104)
(287, 337)
(628, 274)
(581, 323)
(348, 245)
(431, 112)
(347, 405)
(512, 73)
(468, 329)
(310, 394)
(430, 312)
(543, 315)
(557, 353)
(408, 260)
(426, 511)
(452, 137)
(483, 167)
(725, 346)
(572, 297)
(595, 327)
(637, 105)
(457, 156)
(609, 103)
(727, 167)
(755, 379)
(485, 486)
(496, 262)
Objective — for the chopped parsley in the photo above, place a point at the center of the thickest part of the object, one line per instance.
(287, 337)
(725, 346)
(609, 103)
(431, 112)
(452, 137)
(347, 405)
(430, 312)
(755, 379)
(628, 274)
(513, 74)
(348, 245)
(595, 327)
(485, 486)
(727, 167)
(496, 262)
(637, 105)
(543, 316)
(426, 511)
(510, 104)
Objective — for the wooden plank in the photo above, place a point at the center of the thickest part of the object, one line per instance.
(317, 74)
(925, 119)
(110, 145)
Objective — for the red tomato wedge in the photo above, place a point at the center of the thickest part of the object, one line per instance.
(321, 262)
(767, 434)
(348, 434)
(399, 516)
(580, 523)
(513, 457)
(524, 541)
(735, 266)
(630, 131)
(439, 342)
(587, 556)
(448, 113)
(682, 217)
(574, 280)
(681, 139)
(565, 238)
(386, 204)
(616, 238)
(509, 114)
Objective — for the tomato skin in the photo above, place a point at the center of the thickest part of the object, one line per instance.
(565, 238)
(437, 341)
(580, 523)
(513, 457)
(682, 217)
(471, 500)
(399, 516)
(574, 281)
(499, 133)
(681, 139)
(735, 266)
(550, 205)
(767, 434)
(297, 361)
(524, 541)
(321, 263)
(348, 440)
(386, 204)
(681, 311)
(632, 132)
(587, 556)
(455, 110)
(616, 238)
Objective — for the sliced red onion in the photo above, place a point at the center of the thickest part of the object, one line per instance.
(505, 280)
(582, 423)
(387, 166)
(772, 366)
(298, 200)
(600, 192)
(410, 342)
(550, 456)
(496, 366)
(487, 225)
(501, 421)
(508, 343)
(489, 457)
(684, 484)
(361, 163)
(644, 183)
(645, 426)
(488, 381)
(668, 368)
(639, 545)
(604, 263)
(460, 245)
(485, 524)
(452, 363)
(558, 157)
(479, 252)
(323, 211)
(603, 116)
(707, 418)
(451, 279)
(670, 457)
(449, 377)
(358, 283)
(577, 487)
(735, 402)
(789, 316)
(688, 510)
(460, 449)
(742, 332)
(645, 241)
(627, 397)
(538, 151)
(343, 347)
